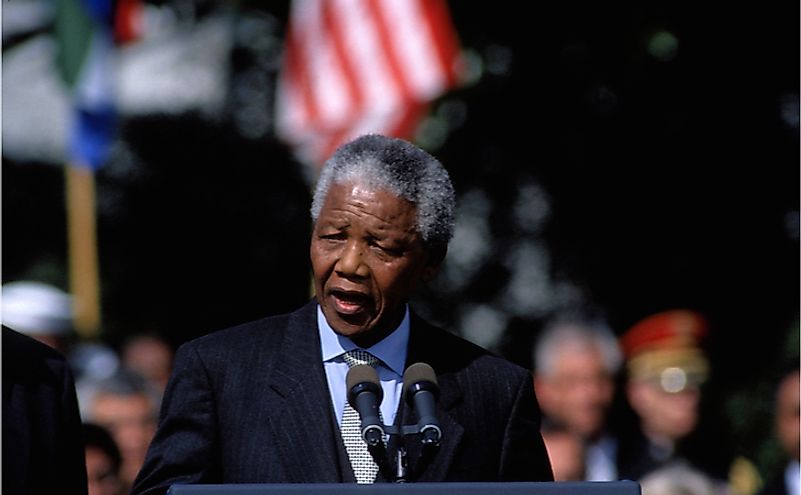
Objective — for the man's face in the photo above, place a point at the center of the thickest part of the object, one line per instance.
(578, 392)
(664, 415)
(787, 414)
(132, 423)
(100, 474)
(368, 258)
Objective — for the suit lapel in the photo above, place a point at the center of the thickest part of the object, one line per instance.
(421, 349)
(304, 431)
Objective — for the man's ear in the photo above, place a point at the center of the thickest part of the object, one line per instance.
(436, 255)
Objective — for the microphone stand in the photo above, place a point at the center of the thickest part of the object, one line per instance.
(398, 452)
(379, 454)
(394, 436)
(400, 465)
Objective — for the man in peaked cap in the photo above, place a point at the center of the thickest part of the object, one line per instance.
(39, 310)
(666, 367)
(664, 350)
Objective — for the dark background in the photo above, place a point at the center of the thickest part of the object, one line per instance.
(673, 182)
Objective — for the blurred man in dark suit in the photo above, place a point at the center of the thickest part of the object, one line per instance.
(43, 449)
(263, 402)
(127, 405)
(787, 410)
(576, 361)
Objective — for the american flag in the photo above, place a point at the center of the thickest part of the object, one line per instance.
(357, 66)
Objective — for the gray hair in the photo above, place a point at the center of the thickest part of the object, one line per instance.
(576, 335)
(122, 383)
(403, 169)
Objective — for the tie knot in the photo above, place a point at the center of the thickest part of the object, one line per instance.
(358, 356)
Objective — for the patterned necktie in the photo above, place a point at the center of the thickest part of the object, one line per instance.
(364, 467)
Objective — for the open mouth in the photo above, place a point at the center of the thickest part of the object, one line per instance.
(350, 302)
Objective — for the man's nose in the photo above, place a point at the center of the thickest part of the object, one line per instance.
(351, 261)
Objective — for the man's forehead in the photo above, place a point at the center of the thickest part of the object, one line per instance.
(376, 200)
(363, 187)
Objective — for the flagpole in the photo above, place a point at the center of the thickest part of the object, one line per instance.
(82, 245)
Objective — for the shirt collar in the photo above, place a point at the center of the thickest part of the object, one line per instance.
(391, 350)
(791, 477)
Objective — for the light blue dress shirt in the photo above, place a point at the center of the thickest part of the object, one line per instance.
(792, 475)
(391, 351)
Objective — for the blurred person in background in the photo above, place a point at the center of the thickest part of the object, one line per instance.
(43, 448)
(666, 368)
(39, 310)
(149, 355)
(45, 313)
(126, 404)
(575, 368)
(92, 361)
(788, 423)
(103, 461)
(566, 451)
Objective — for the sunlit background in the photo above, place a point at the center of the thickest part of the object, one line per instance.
(608, 159)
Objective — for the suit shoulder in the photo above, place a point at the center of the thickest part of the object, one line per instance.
(466, 355)
(264, 331)
(27, 359)
(774, 486)
(21, 345)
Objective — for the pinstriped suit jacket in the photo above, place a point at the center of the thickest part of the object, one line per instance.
(250, 404)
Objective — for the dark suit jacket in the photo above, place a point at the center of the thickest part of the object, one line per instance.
(43, 450)
(775, 486)
(251, 405)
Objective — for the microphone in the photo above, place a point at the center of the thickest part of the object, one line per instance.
(364, 395)
(421, 390)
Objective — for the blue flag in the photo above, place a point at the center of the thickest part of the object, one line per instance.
(84, 31)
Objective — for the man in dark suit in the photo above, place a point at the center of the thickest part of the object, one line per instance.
(786, 421)
(263, 402)
(43, 450)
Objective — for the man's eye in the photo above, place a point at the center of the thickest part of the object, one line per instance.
(333, 236)
(388, 250)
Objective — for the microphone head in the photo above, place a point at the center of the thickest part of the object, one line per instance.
(420, 376)
(363, 377)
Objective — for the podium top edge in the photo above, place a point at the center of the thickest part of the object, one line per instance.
(621, 487)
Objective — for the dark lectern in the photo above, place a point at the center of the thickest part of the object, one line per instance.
(511, 488)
